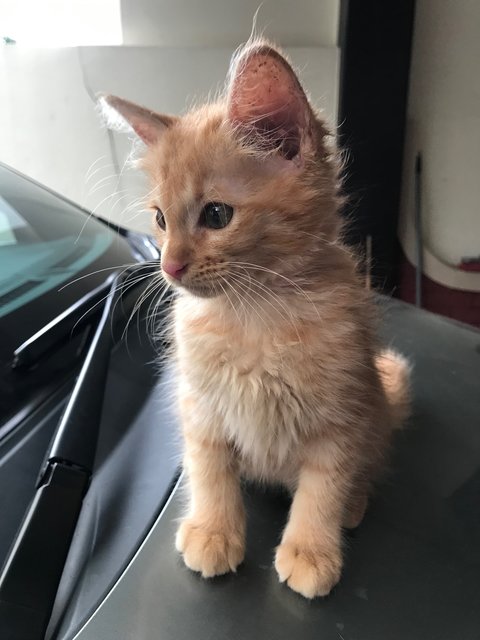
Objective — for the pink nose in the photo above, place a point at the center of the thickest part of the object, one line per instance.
(174, 269)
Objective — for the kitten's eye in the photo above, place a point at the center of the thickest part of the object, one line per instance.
(160, 219)
(216, 215)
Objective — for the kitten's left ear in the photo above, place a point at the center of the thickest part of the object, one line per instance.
(147, 124)
(266, 101)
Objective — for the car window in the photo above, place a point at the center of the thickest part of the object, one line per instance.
(44, 241)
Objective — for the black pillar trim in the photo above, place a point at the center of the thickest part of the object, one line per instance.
(375, 39)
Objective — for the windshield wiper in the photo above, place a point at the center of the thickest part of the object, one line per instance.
(46, 339)
(31, 574)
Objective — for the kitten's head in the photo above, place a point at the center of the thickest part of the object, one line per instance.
(242, 189)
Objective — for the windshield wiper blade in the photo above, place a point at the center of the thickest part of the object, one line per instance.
(46, 338)
(31, 574)
(74, 318)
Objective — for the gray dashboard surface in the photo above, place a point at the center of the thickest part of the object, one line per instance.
(412, 569)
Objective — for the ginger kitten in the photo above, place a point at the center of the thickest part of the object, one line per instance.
(280, 378)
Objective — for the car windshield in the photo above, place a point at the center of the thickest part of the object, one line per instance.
(43, 241)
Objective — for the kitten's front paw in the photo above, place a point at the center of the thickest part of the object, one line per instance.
(210, 552)
(310, 572)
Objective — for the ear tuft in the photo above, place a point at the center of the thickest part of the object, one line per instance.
(124, 115)
(266, 100)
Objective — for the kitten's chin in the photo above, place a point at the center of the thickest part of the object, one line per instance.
(201, 291)
(195, 289)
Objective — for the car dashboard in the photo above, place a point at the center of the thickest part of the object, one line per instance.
(411, 568)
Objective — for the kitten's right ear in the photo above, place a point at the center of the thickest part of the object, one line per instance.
(266, 102)
(147, 124)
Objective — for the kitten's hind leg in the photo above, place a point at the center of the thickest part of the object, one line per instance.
(212, 536)
(355, 508)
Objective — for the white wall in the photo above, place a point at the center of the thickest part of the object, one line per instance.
(444, 124)
(49, 129)
(227, 23)
(58, 23)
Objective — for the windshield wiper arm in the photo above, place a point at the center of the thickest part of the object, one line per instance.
(31, 574)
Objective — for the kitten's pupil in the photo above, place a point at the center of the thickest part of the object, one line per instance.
(216, 215)
(160, 219)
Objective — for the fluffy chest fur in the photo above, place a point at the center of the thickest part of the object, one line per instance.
(266, 388)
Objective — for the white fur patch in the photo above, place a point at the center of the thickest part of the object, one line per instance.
(112, 118)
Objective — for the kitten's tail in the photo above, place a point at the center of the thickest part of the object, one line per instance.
(394, 372)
